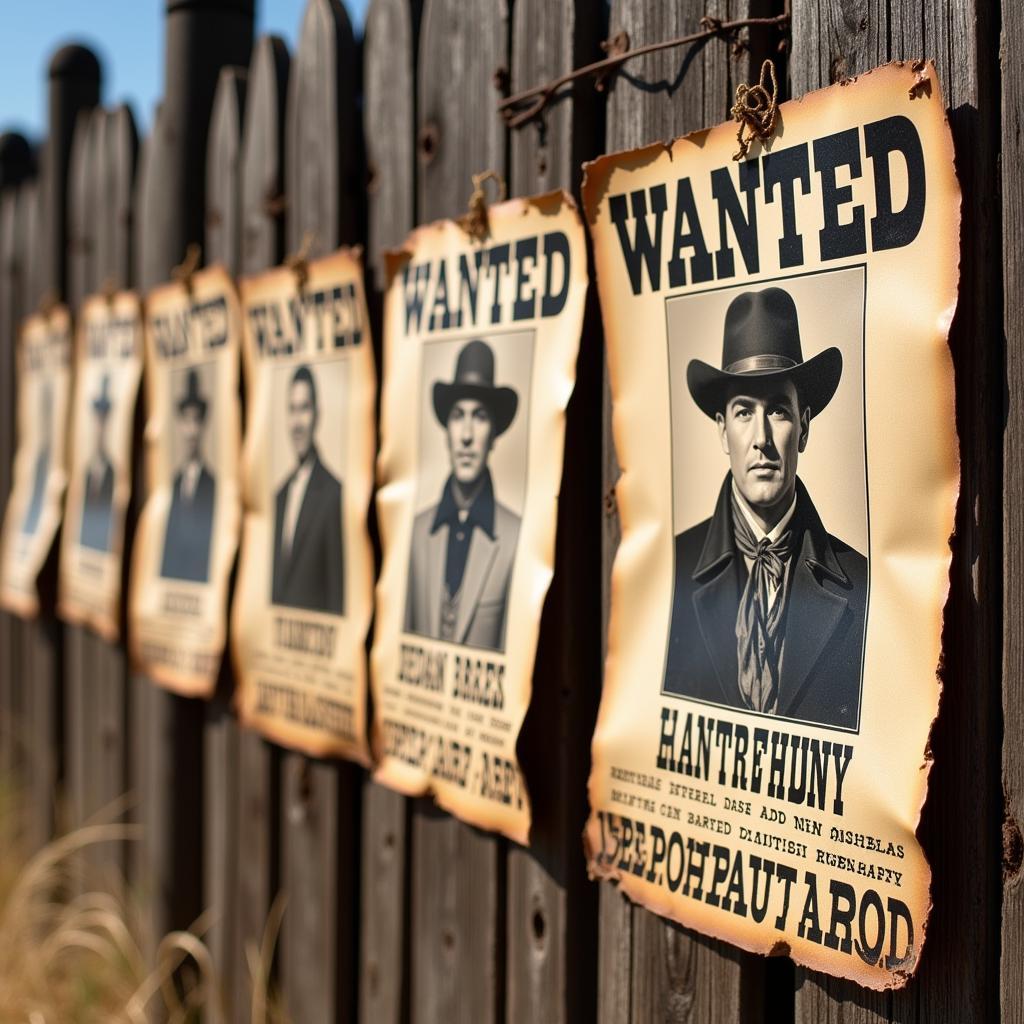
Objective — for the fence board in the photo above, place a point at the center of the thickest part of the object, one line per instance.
(457, 872)
(389, 127)
(261, 246)
(1012, 945)
(320, 800)
(221, 852)
(551, 907)
(960, 825)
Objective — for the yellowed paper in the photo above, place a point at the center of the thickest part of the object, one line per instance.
(108, 367)
(36, 501)
(783, 415)
(480, 347)
(188, 530)
(304, 598)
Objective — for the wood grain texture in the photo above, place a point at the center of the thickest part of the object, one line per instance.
(551, 907)
(457, 898)
(320, 804)
(1012, 930)
(221, 852)
(389, 129)
(257, 814)
(960, 827)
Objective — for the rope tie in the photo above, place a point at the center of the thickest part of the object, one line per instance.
(298, 261)
(474, 221)
(186, 269)
(48, 302)
(756, 109)
(109, 289)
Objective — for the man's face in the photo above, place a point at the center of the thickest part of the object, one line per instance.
(763, 432)
(301, 418)
(190, 423)
(469, 439)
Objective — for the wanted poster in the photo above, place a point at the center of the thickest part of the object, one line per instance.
(108, 368)
(481, 339)
(304, 598)
(188, 530)
(36, 502)
(782, 395)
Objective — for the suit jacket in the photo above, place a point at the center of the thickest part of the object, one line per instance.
(39, 480)
(823, 625)
(312, 576)
(189, 525)
(96, 511)
(483, 593)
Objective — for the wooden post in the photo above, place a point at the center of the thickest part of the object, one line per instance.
(458, 893)
(389, 128)
(256, 815)
(320, 800)
(647, 964)
(221, 852)
(552, 909)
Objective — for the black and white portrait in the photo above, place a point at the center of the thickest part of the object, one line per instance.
(41, 463)
(186, 554)
(308, 558)
(472, 479)
(98, 495)
(770, 562)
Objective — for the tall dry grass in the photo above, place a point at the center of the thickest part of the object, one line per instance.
(72, 940)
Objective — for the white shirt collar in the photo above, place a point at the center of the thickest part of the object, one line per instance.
(777, 530)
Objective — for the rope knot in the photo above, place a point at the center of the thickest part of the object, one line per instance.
(474, 221)
(756, 109)
(298, 261)
(186, 269)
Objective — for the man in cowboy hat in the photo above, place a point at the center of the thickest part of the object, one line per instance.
(463, 548)
(190, 523)
(768, 607)
(41, 470)
(309, 569)
(99, 479)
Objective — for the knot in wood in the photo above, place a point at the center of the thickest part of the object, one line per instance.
(756, 109)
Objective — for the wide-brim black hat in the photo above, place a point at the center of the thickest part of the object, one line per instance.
(762, 340)
(192, 397)
(474, 378)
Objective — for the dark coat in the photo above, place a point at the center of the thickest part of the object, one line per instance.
(96, 509)
(40, 477)
(823, 625)
(312, 576)
(189, 526)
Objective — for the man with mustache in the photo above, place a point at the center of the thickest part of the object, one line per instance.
(309, 567)
(768, 607)
(463, 549)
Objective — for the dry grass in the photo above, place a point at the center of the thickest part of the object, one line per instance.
(72, 944)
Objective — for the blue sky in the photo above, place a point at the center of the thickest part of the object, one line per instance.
(126, 35)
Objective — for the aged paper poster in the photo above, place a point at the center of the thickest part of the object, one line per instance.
(481, 339)
(36, 501)
(783, 415)
(108, 367)
(188, 530)
(304, 599)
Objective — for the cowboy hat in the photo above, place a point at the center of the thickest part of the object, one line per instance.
(474, 378)
(762, 340)
(192, 395)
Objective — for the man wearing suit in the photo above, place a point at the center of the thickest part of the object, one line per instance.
(463, 549)
(309, 565)
(99, 480)
(190, 523)
(768, 607)
(41, 471)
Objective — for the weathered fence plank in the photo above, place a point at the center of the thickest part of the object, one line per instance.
(551, 907)
(457, 894)
(221, 852)
(675, 974)
(1012, 945)
(320, 800)
(960, 824)
(261, 212)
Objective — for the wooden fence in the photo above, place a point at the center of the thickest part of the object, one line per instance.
(395, 911)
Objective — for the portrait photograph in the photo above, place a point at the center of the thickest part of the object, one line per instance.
(193, 447)
(42, 448)
(307, 445)
(471, 487)
(770, 502)
(97, 466)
